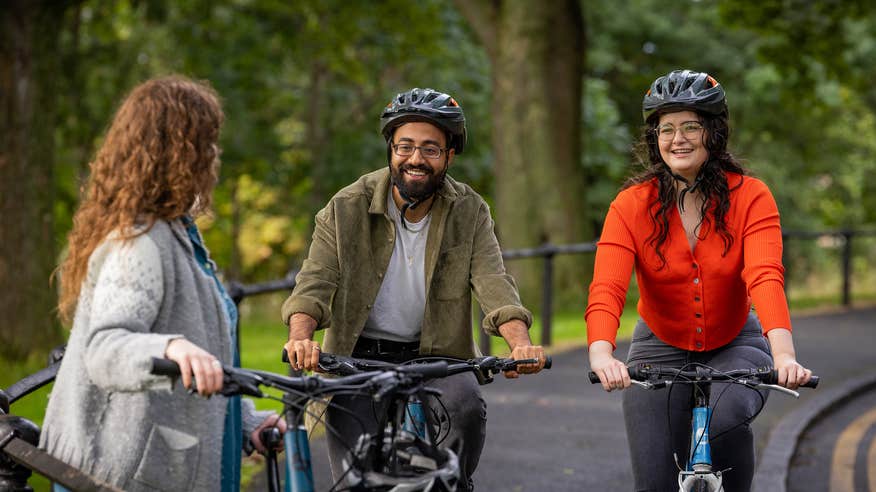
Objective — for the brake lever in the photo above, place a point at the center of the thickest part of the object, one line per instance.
(780, 389)
(240, 384)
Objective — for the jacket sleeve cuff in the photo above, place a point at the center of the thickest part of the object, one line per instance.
(299, 304)
(496, 318)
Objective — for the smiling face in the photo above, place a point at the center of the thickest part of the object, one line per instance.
(682, 145)
(415, 175)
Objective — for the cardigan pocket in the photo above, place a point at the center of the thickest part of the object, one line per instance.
(170, 459)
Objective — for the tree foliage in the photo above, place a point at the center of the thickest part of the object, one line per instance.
(303, 84)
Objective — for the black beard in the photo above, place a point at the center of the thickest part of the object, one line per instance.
(417, 192)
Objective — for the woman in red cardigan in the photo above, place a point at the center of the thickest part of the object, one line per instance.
(706, 243)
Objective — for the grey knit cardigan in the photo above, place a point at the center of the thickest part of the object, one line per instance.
(107, 415)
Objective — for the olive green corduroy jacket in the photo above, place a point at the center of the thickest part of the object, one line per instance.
(350, 252)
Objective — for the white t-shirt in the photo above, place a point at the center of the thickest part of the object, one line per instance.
(397, 313)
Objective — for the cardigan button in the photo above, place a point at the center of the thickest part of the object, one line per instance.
(699, 344)
(699, 330)
(697, 280)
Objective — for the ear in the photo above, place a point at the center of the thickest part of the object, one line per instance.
(450, 155)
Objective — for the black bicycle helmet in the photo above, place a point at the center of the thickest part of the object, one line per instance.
(685, 89)
(426, 105)
(416, 467)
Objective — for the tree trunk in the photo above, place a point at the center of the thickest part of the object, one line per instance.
(537, 55)
(29, 68)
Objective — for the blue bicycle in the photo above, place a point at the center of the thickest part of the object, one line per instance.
(391, 461)
(697, 474)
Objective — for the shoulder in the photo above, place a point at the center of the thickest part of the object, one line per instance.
(456, 191)
(635, 197)
(747, 186)
(365, 186)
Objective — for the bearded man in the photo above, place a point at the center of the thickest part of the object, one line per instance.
(394, 259)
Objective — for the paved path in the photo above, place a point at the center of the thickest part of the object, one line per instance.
(556, 432)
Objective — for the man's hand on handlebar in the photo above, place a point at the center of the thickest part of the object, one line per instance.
(526, 352)
(303, 354)
(302, 349)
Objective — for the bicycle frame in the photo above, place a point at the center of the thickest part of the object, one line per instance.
(699, 462)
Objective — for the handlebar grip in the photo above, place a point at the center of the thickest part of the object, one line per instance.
(164, 367)
(271, 437)
(774, 378)
(285, 356)
(548, 362)
(429, 370)
(593, 377)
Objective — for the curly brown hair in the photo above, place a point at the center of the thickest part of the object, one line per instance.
(158, 161)
(712, 180)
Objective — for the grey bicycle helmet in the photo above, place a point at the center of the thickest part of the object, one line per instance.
(426, 105)
(685, 89)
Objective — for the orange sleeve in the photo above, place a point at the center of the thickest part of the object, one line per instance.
(615, 257)
(763, 272)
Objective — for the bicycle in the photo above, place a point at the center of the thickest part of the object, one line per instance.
(400, 461)
(19, 454)
(404, 417)
(697, 474)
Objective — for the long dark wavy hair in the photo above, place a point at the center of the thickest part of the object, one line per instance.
(712, 181)
(158, 161)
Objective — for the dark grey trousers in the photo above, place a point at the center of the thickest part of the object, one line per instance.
(654, 436)
(465, 431)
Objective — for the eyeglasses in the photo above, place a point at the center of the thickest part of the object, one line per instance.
(427, 151)
(689, 130)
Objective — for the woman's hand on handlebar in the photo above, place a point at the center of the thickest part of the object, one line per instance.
(612, 373)
(526, 352)
(791, 374)
(194, 360)
(273, 420)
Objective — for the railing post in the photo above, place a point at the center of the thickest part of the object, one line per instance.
(847, 267)
(547, 301)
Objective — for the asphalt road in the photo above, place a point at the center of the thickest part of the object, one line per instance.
(554, 431)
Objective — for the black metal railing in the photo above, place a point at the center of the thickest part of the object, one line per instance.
(240, 291)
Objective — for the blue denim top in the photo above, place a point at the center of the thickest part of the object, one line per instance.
(232, 439)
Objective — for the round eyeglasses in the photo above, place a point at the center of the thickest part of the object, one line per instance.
(689, 130)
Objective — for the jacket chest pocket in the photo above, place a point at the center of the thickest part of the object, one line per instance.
(450, 280)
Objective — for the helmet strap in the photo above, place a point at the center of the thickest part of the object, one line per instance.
(688, 187)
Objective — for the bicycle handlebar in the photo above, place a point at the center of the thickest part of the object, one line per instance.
(649, 373)
(483, 367)
(238, 381)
